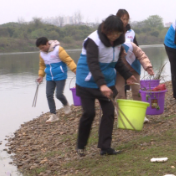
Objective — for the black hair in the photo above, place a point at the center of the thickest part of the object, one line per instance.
(41, 41)
(112, 24)
(121, 12)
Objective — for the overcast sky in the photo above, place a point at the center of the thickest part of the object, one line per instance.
(91, 10)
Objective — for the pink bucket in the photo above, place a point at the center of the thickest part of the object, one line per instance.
(156, 100)
(76, 99)
(149, 84)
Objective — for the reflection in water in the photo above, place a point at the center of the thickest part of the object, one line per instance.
(158, 58)
(17, 88)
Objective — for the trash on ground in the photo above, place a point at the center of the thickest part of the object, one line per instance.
(164, 159)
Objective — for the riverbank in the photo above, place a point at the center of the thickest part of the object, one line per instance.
(22, 45)
(49, 149)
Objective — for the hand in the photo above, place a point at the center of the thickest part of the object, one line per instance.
(40, 79)
(123, 55)
(131, 80)
(150, 71)
(106, 91)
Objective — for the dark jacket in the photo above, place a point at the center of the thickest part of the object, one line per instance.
(94, 67)
(92, 59)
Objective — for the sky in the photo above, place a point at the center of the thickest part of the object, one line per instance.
(90, 10)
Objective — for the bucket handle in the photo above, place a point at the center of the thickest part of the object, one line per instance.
(117, 110)
(71, 81)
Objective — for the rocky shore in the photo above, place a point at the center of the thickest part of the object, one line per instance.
(45, 149)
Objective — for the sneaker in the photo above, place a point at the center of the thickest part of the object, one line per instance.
(146, 120)
(81, 152)
(109, 151)
(67, 109)
(53, 118)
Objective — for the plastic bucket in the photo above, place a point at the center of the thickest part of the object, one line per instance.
(135, 111)
(149, 84)
(76, 99)
(156, 100)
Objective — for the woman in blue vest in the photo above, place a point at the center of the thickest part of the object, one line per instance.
(95, 79)
(170, 47)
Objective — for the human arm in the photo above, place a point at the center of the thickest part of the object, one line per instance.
(93, 62)
(125, 72)
(67, 59)
(144, 60)
(41, 72)
(94, 67)
(150, 71)
(121, 67)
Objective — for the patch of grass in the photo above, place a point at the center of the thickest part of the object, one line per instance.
(35, 172)
(93, 139)
(135, 160)
(168, 117)
(53, 153)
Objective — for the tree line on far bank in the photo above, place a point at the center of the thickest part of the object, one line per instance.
(21, 36)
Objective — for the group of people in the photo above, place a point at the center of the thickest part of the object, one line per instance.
(110, 59)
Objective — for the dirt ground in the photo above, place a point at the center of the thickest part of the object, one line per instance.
(43, 149)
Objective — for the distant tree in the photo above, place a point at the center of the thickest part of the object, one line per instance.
(154, 21)
(137, 31)
(140, 24)
(38, 33)
(53, 35)
(68, 39)
(21, 20)
(155, 33)
(37, 22)
(4, 32)
(77, 17)
(59, 21)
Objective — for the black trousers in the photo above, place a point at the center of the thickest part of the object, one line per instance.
(171, 53)
(105, 127)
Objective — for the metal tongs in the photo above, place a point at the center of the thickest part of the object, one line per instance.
(118, 111)
(36, 94)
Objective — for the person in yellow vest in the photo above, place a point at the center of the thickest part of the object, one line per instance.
(53, 62)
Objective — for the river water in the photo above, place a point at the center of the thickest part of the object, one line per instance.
(18, 72)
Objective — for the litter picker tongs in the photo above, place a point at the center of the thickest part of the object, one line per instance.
(36, 94)
(118, 111)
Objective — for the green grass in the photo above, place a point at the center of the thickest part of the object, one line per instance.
(135, 160)
(53, 153)
(169, 117)
(35, 172)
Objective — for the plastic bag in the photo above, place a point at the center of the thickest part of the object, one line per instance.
(159, 87)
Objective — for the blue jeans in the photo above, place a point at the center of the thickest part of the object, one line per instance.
(50, 88)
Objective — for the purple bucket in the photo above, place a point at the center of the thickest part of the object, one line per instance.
(76, 99)
(156, 100)
(149, 84)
